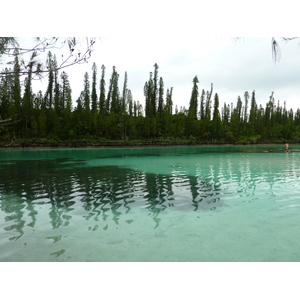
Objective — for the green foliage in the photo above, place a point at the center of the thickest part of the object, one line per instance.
(193, 109)
(52, 117)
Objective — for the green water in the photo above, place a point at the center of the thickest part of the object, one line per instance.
(231, 203)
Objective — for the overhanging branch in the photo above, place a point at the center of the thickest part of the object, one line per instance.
(46, 44)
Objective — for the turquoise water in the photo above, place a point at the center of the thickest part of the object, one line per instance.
(206, 203)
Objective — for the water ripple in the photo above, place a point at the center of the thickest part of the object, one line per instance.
(102, 192)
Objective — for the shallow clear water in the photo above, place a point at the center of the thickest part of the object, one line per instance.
(206, 203)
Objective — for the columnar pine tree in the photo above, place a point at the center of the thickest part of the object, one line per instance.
(112, 101)
(155, 91)
(102, 106)
(130, 102)
(226, 114)
(253, 109)
(16, 85)
(202, 105)
(246, 97)
(83, 111)
(135, 109)
(56, 87)
(66, 105)
(239, 105)
(193, 108)
(148, 91)
(208, 104)
(115, 98)
(124, 94)
(86, 92)
(94, 92)
(216, 121)
(160, 97)
(5, 95)
(169, 101)
(27, 102)
(51, 84)
(66, 97)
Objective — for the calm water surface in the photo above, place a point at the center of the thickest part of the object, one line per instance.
(231, 203)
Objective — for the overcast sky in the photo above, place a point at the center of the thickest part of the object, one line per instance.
(185, 38)
(232, 66)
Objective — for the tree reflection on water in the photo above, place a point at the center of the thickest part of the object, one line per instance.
(96, 192)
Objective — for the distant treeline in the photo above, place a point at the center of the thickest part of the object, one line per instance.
(106, 112)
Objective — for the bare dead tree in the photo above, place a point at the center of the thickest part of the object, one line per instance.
(10, 120)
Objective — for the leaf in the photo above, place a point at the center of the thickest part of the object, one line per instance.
(71, 42)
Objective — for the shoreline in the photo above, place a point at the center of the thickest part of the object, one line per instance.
(85, 144)
(115, 144)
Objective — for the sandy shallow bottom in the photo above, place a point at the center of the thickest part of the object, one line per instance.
(209, 236)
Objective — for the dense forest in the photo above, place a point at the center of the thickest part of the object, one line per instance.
(107, 112)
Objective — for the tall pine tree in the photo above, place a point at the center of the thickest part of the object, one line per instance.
(102, 106)
(193, 107)
(94, 91)
(86, 92)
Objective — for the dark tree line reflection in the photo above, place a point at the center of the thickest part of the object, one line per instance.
(69, 187)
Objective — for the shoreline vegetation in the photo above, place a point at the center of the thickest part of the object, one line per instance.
(114, 119)
(34, 144)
